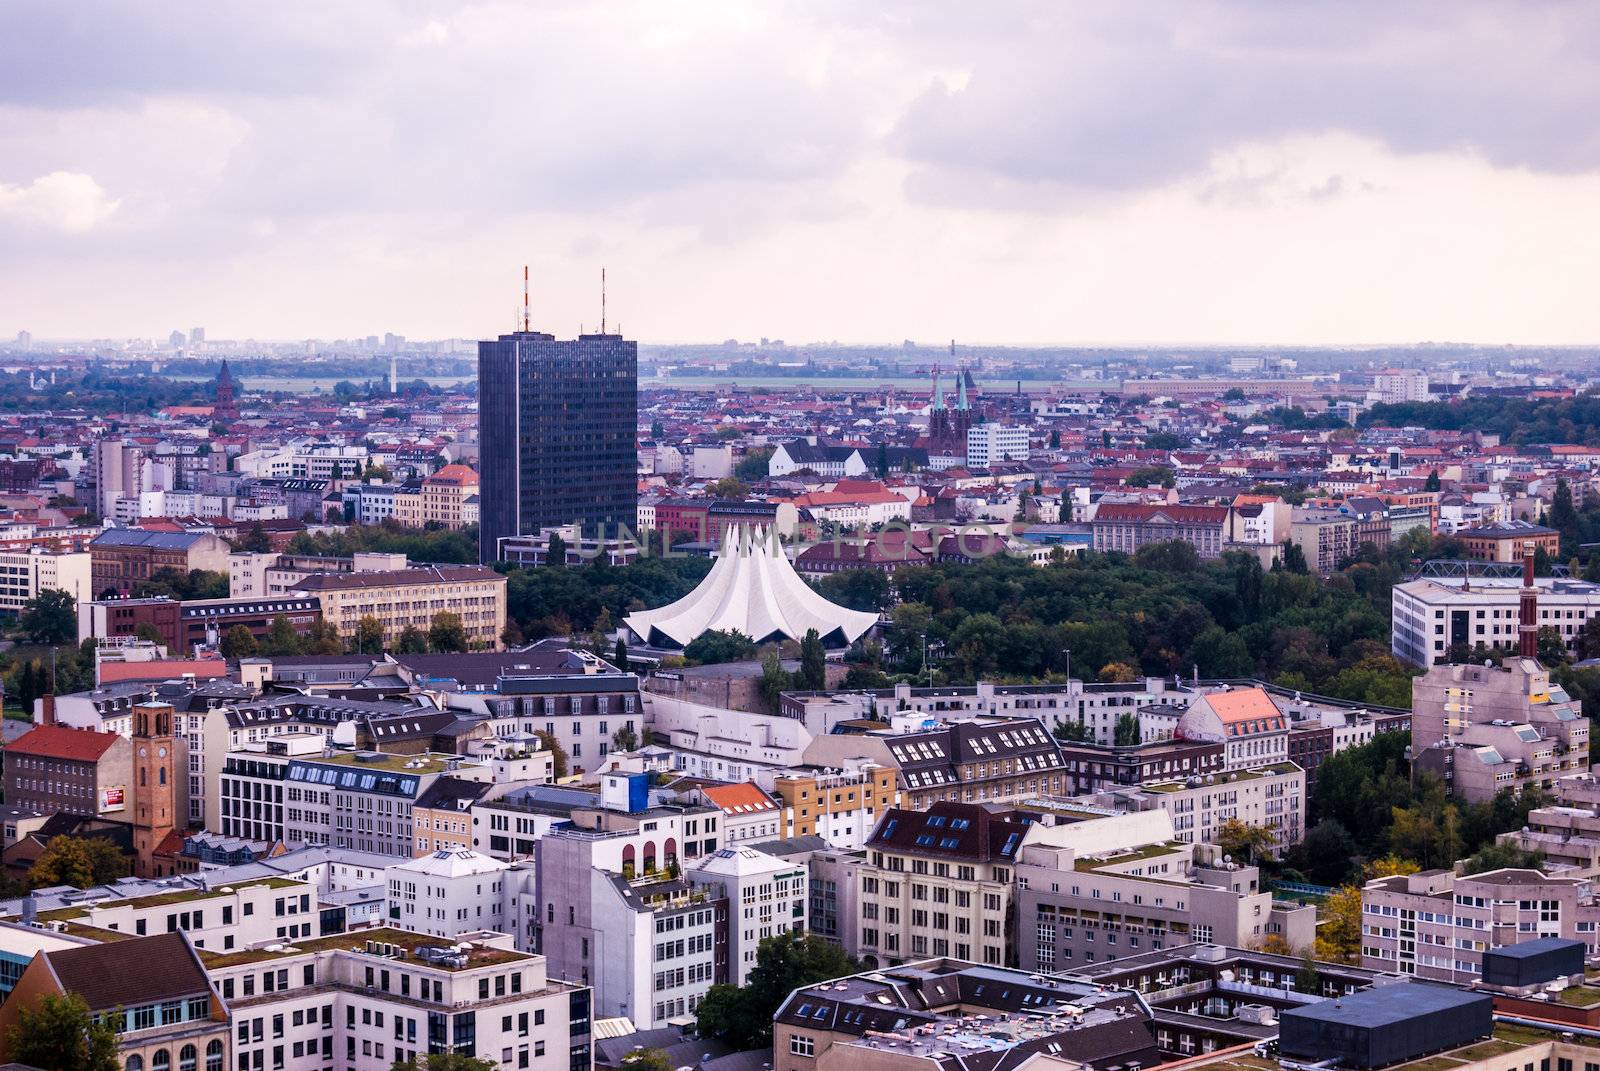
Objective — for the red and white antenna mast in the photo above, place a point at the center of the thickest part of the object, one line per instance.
(602, 301)
(525, 298)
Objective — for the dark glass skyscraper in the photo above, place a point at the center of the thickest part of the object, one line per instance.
(557, 423)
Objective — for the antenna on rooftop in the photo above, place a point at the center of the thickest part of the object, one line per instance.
(602, 301)
(524, 297)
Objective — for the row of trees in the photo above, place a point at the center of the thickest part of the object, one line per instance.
(446, 633)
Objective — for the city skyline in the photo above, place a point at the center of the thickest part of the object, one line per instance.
(1227, 174)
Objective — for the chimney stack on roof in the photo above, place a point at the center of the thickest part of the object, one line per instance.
(1528, 608)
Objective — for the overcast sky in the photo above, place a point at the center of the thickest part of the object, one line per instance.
(995, 172)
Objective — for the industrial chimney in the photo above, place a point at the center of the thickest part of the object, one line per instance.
(1528, 608)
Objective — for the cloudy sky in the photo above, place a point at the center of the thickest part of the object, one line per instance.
(996, 172)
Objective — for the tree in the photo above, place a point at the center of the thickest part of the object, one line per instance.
(1564, 517)
(412, 641)
(1339, 930)
(50, 617)
(59, 1034)
(558, 754)
(729, 487)
(1389, 866)
(1306, 979)
(77, 861)
(714, 646)
(1432, 482)
(741, 1017)
(1152, 475)
(775, 680)
(255, 539)
(620, 658)
(813, 676)
(1118, 673)
(1275, 944)
(1220, 653)
(1552, 649)
(1073, 732)
(1126, 733)
(1501, 856)
(1294, 558)
(148, 633)
(239, 643)
(754, 465)
(281, 638)
(446, 633)
(1242, 841)
(369, 636)
(597, 636)
(624, 739)
(444, 1061)
(322, 638)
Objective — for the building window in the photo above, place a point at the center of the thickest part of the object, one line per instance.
(801, 1045)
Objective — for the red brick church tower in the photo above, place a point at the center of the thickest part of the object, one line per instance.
(225, 408)
(155, 785)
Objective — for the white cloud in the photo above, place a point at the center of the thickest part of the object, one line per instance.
(64, 200)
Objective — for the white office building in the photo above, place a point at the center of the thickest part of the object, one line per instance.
(989, 443)
(1431, 615)
(450, 892)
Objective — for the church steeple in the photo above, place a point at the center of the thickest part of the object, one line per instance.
(225, 407)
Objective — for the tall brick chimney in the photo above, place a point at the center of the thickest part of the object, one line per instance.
(1528, 608)
(47, 709)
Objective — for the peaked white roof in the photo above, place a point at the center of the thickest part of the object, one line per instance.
(754, 589)
(451, 863)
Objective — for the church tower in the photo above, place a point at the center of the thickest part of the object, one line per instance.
(155, 785)
(224, 407)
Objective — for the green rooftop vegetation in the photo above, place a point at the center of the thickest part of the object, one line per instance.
(357, 941)
(1149, 851)
(390, 763)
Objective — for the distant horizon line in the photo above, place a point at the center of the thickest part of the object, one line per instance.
(932, 347)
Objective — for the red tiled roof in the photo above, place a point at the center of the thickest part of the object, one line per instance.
(59, 742)
(739, 799)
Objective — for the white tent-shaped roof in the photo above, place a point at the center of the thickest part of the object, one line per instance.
(754, 589)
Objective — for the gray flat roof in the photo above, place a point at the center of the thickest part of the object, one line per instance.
(1387, 1004)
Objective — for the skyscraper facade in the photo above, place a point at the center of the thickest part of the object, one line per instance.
(557, 425)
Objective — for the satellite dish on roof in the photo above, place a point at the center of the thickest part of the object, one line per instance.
(345, 733)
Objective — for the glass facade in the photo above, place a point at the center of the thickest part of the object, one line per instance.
(557, 426)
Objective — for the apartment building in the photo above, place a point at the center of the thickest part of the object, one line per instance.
(53, 769)
(1437, 925)
(450, 497)
(153, 990)
(447, 892)
(615, 911)
(992, 442)
(404, 598)
(122, 558)
(839, 805)
(1566, 831)
(219, 918)
(291, 791)
(366, 1001)
(766, 896)
(25, 572)
(1127, 526)
(1253, 731)
(1487, 729)
(441, 818)
(1504, 542)
(1107, 888)
(748, 814)
(1326, 538)
(260, 575)
(980, 760)
(939, 879)
(1096, 767)
(584, 709)
(1273, 797)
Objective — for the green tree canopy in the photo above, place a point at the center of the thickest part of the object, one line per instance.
(741, 1017)
(446, 633)
(715, 646)
(58, 1034)
(50, 617)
